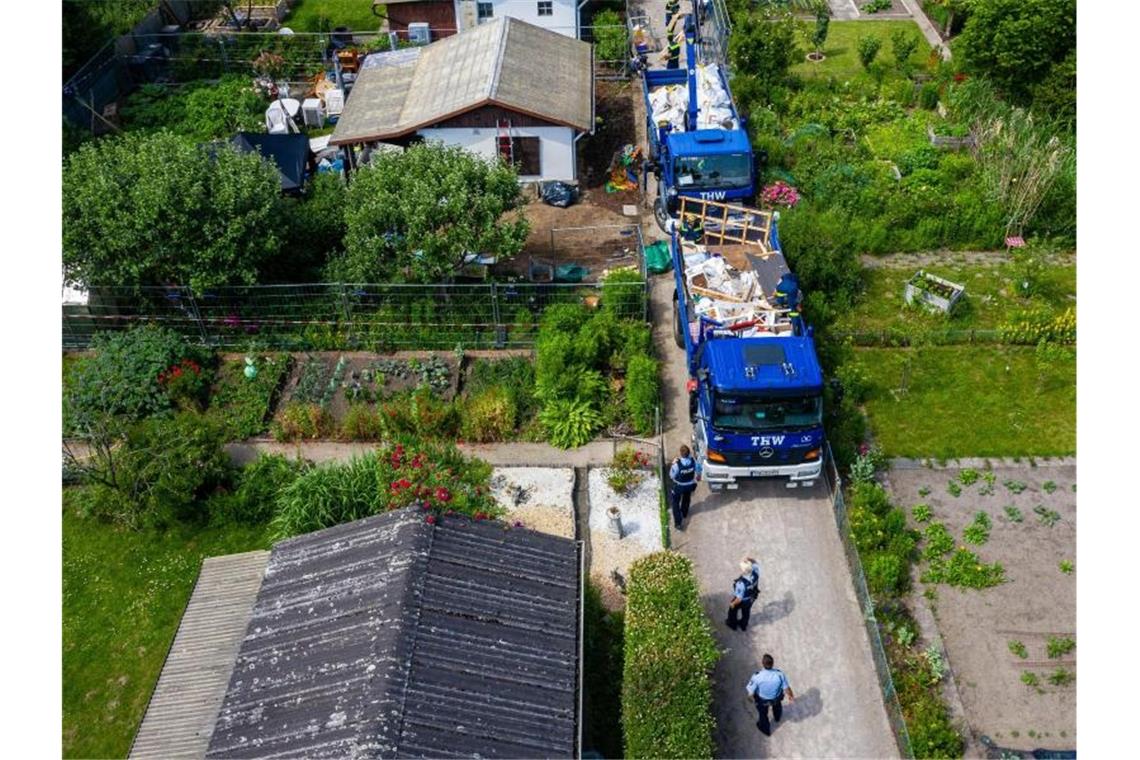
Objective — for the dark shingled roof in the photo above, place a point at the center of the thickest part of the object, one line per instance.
(389, 637)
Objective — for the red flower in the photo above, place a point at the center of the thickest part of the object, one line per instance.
(442, 494)
(426, 506)
(959, 77)
(430, 520)
(480, 515)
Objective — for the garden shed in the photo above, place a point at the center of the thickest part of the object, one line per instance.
(505, 88)
(395, 636)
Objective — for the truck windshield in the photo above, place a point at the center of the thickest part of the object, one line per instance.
(755, 413)
(699, 172)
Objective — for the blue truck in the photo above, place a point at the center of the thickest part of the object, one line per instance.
(755, 384)
(698, 146)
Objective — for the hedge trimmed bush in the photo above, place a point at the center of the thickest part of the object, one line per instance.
(669, 657)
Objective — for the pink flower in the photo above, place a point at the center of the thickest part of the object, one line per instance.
(442, 494)
(430, 519)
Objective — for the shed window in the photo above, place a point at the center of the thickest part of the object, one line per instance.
(545, 7)
(484, 11)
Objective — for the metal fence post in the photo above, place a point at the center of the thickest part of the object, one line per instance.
(196, 314)
(496, 317)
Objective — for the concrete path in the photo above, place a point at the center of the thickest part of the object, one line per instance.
(807, 618)
(928, 31)
(843, 10)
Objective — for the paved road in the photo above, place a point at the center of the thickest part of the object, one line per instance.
(807, 616)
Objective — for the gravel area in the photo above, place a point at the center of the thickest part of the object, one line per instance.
(541, 498)
(641, 524)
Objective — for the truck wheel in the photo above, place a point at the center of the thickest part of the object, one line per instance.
(661, 214)
(678, 336)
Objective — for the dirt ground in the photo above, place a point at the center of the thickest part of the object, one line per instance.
(1037, 600)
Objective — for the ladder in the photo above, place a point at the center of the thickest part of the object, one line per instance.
(506, 143)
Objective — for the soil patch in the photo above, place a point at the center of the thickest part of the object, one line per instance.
(1037, 601)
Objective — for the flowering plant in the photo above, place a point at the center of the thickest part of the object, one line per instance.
(185, 383)
(779, 193)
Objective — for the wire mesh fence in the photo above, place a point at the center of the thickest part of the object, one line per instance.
(327, 317)
(855, 566)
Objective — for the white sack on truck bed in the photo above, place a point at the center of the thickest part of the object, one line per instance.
(669, 103)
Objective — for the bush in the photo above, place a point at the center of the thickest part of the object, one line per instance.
(489, 415)
(159, 473)
(903, 45)
(669, 657)
(301, 421)
(868, 47)
(611, 42)
(200, 110)
(241, 405)
(434, 475)
(886, 574)
(258, 485)
(570, 423)
(623, 293)
(1032, 326)
(880, 534)
(514, 375)
(928, 96)
(122, 378)
(362, 423)
(641, 393)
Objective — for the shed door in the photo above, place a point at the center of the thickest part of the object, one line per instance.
(528, 155)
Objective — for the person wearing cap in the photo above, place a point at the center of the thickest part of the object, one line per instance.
(745, 589)
(691, 228)
(767, 687)
(683, 473)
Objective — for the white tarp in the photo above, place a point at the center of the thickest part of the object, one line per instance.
(669, 103)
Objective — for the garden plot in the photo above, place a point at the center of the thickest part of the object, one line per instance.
(995, 635)
(641, 528)
(541, 498)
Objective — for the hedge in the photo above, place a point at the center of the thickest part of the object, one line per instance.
(669, 657)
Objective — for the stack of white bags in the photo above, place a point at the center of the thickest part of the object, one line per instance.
(669, 103)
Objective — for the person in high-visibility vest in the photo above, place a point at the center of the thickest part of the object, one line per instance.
(691, 228)
(674, 55)
(671, 8)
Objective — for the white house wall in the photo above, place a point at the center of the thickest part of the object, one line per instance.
(564, 20)
(556, 147)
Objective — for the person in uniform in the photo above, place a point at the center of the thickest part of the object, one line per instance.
(745, 590)
(767, 687)
(683, 473)
(674, 54)
(671, 8)
(692, 229)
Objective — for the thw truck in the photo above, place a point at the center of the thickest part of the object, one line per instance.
(755, 384)
(698, 146)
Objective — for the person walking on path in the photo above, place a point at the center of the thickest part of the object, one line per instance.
(683, 473)
(745, 590)
(767, 687)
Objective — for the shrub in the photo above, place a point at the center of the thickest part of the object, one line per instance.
(669, 656)
(623, 293)
(122, 378)
(978, 531)
(202, 111)
(489, 415)
(928, 96)
(1031, 326)
(641, 393)
(880, 534)
(886, 574)
(159, 472)
(396, 475)
(430, 416)
(611, 44)
(623, 475)
(514, 375)
(362, 423)
(301, 421)
(570, 423)
(868, 47)
(258, 485)
(903, 45)
(241, 405)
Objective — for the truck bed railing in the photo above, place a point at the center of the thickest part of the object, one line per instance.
(726, 224)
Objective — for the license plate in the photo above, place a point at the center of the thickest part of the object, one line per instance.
(756, 473)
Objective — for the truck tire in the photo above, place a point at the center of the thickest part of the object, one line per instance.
(678, 336)
(661, 214)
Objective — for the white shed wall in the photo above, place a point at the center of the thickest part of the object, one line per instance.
(556, 149)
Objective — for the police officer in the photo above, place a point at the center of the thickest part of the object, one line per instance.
(745, 590)
(767, 687)
(692, 229)
(683, 473)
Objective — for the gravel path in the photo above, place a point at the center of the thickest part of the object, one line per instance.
(641, 524)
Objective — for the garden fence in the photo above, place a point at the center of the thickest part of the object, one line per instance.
(372, 317)
(878, 653)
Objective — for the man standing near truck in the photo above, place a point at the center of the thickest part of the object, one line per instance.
(683, 473)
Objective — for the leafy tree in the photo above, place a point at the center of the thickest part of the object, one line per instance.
(903, 45)
(415, 215)
(1017, 42)
(955, 9)
(314, 226)
(156, 209)
(868, 47)
(822, 25)
(761, 49)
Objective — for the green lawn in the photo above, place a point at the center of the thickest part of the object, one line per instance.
(963, 401)
(990, 297)
(323, 15)
(842, 60)
(123, 596)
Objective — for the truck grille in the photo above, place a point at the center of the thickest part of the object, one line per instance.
(753, 458)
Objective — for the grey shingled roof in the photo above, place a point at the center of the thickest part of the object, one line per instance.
(505, 62)
(389, 637)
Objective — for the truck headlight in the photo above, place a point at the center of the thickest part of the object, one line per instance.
(715, 456)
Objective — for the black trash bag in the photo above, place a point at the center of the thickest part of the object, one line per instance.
(559, 194)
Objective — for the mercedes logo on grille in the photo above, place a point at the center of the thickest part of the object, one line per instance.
(766, 452)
